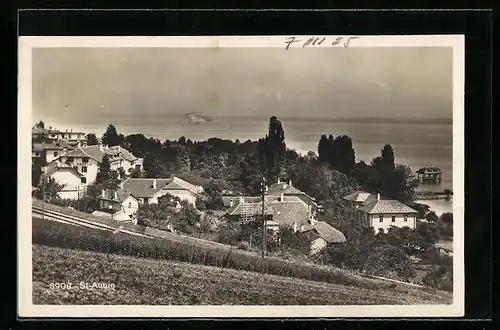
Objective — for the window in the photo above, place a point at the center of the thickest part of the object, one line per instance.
(84, 169)
(393, 218)
(129, 204)
(84, 179)
(85, 160)
(381, 218)
(405, 218)
(55, 153)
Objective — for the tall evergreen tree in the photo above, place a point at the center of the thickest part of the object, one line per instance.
(273, 149)
(104, 172)
(388, 156)
(323, 149)
(92, 139)
(340, 154)
(111, 137)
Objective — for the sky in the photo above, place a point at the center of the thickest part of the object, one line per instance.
(87, 85)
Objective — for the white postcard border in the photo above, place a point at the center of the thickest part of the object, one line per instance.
(26, 308)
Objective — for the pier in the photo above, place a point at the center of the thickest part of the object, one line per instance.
(430, 174)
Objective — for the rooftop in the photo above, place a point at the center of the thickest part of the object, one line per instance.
(143, 187)
(325, 231)
(430, 169)
(389, 206)
(283, 188)
(361, 196)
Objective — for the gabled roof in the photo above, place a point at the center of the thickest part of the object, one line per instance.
(325, 231)
(83, 152)
(124, 153)
(248, 208)
(143, 187)
(283, 188)
(287, 213)
(54, 167)
(361, 196)
(226, 200)
(388, 206)
(121, 195)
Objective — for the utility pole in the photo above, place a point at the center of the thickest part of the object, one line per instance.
(263, 216)
(43, 194)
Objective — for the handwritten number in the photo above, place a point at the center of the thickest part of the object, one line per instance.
(337, 41)
(290, 41)
(346, 44)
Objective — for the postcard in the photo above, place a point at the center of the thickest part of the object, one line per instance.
(241, 176)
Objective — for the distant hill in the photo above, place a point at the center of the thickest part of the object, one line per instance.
(376, 120)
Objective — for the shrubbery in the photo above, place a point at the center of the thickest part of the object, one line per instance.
(67, 236)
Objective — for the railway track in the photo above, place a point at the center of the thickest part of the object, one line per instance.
(69, 219)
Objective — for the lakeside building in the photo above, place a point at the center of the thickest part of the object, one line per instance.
(430, 174)
(149, 190)
(379, 213)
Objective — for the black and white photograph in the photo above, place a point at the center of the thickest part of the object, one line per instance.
(241, 176)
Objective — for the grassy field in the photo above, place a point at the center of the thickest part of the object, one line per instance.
(142, 281)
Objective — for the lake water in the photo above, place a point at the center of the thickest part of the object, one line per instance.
(416, 144)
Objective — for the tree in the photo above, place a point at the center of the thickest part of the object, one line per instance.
(323, 149)
(111, 137)
(36, 170)
(341, 154)
(272, 151)
(432, 217)
(104, 172)
(48, 188)
(293, 241)
(388, 156)
(40, 125)
(92, 139)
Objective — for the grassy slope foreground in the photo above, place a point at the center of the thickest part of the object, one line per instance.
(159, 282)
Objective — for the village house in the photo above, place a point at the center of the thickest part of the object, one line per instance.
(320, 234)
(72, 181)
(148, 190)
(287, 189)
(54, 135)
(284, 211)
(378, 213)
(118, 205)
(87, 160)
(50, 151)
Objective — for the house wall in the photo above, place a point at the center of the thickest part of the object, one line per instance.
(399, 221)
(73, 186)
(130, 205)
(317, 244)
(88, 169)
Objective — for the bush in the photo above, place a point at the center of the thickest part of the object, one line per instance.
(243, 246)
(62, 235)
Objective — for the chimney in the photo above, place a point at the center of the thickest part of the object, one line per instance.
(378, 196)
(242, 200)
(282, 197)
(154, 183)
(116, 194)
(295, 227)
(103, 193)
(313, 221)
(279, 180)
(290, 183)
(231, 203)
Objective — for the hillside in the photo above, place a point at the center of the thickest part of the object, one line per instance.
(141, 281)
